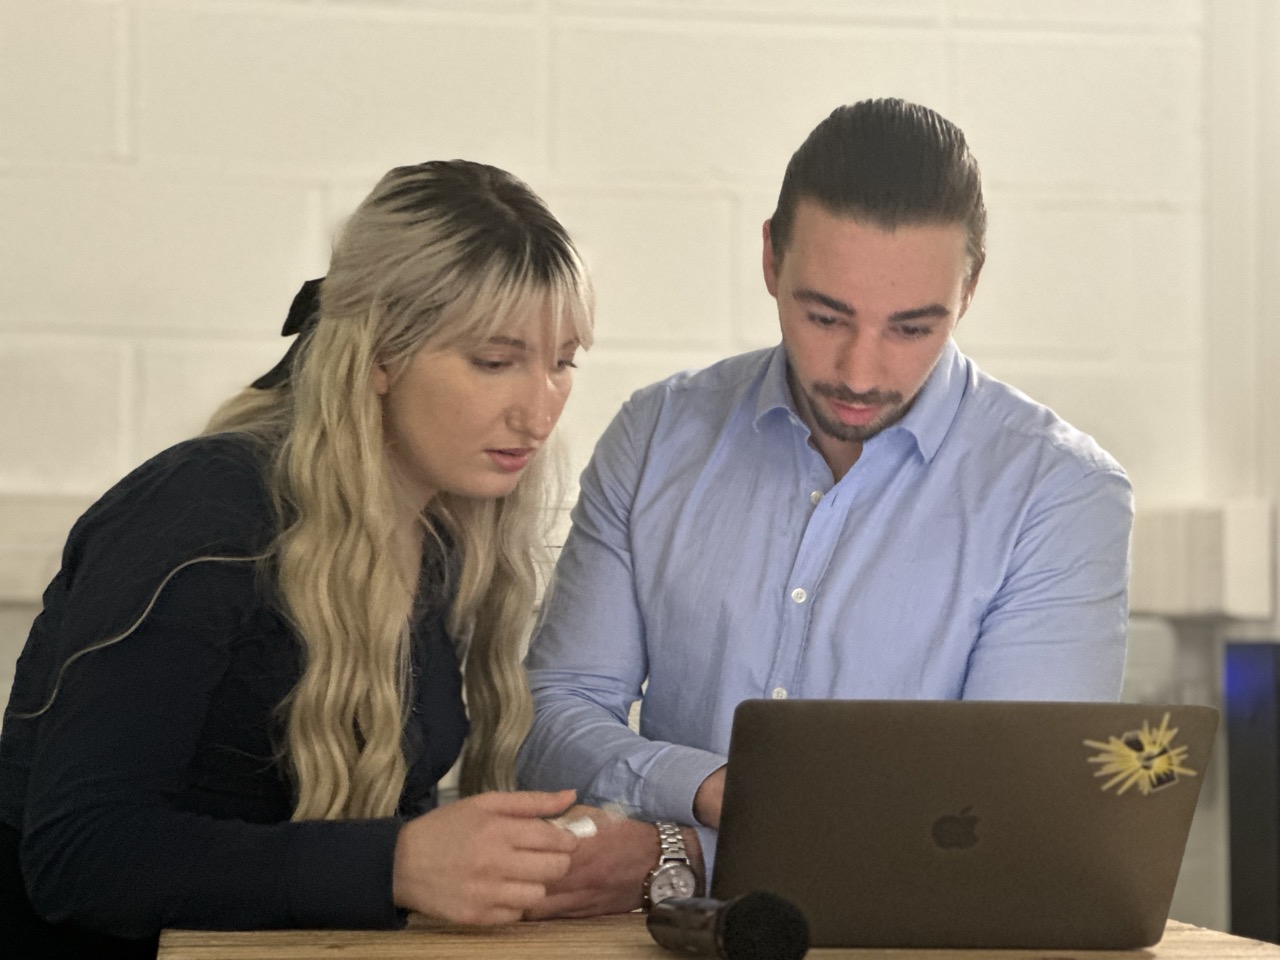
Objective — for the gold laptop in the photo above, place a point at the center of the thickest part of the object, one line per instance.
(964, 823)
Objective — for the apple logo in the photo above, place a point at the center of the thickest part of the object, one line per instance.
(956, 831)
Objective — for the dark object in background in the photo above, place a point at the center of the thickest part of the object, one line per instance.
(1251, 677)
(754, 926)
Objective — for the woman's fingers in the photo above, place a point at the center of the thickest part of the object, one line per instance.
(484, 859)
(537, 867)
(525, 803)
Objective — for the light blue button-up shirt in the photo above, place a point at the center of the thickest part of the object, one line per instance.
(977, 549)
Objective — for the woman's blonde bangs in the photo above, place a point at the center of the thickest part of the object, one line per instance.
(492, 303)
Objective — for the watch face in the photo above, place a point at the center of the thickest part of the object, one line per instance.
(672, 880)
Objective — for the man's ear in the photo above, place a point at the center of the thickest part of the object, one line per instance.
(970, 287)
(769, 263)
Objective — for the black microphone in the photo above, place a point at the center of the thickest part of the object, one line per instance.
(754, 926)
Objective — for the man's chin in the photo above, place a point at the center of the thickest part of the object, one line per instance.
(859, 433)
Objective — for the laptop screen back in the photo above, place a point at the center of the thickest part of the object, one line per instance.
(963, 823)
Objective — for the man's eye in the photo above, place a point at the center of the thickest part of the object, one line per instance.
(913, 332)
(824, 319)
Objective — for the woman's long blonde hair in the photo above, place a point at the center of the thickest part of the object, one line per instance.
(442, 254)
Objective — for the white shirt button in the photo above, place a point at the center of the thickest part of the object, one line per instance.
(779, 693)
(798, 595)
(815, 497)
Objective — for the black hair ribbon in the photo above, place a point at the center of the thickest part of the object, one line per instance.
(304, 313)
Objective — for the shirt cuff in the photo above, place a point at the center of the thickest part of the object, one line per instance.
(670, 787)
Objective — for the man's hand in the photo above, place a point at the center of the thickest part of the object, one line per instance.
(709, 798)
(607, 871)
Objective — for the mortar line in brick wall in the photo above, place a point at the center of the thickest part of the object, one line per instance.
(632, 17)
(1025, 33)
(1155, 30)
(690, 13)
(407, 11)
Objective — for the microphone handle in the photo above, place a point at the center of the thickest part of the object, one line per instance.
(754, 926)
(687, 925)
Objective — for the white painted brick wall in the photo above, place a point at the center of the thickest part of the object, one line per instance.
(59, 99)
(1126, 294)
(1151, 15)
(64, 401)
(715, 101)
(180, 382)
(148, 253)
(1119, 120)
(660, 262)
(318, 88)
(171, 170)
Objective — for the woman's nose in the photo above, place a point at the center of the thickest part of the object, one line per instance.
(538, 408)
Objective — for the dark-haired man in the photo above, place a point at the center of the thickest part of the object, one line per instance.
(857, 513)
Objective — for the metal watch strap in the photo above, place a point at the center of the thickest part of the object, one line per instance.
(670, 843)
(671, 855)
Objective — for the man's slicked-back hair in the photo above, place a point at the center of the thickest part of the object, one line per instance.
(889, 163)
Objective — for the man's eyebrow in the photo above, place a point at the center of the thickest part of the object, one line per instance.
(805, 295)
(934, 311)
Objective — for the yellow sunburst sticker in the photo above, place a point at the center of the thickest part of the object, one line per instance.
(1143, 757)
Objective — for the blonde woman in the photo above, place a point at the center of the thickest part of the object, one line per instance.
(250, 672)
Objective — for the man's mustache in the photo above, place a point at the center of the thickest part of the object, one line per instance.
(842, 394)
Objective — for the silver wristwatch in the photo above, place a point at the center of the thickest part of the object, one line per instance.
(674, 875)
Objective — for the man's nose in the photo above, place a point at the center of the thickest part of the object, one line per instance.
(859, 362)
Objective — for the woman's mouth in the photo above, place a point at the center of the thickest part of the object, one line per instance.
(511, 459)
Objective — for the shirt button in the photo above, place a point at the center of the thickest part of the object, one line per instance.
(779, 693)
(815, 497)
(798, 595)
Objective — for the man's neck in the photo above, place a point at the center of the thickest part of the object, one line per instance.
(840, 455)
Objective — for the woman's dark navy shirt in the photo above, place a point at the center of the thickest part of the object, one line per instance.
(150, 794)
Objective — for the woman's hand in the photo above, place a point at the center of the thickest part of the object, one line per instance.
(484, 859)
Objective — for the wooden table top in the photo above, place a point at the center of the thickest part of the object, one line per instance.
(621, 937)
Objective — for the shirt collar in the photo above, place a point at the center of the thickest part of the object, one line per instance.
(928, 420)
(775, 392)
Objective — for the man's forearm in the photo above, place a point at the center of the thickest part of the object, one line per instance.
(709, 799)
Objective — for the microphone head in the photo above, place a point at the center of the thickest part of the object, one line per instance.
(762, 926)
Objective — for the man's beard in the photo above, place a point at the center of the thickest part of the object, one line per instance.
(894, 409)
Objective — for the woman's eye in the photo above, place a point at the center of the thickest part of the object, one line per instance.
(487, 364)
(567, 364)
